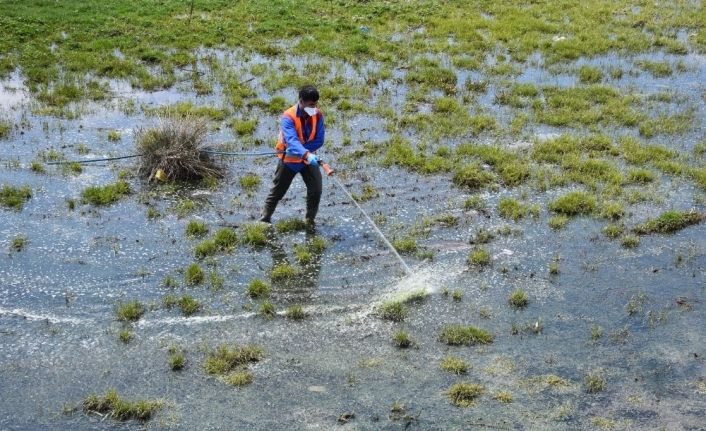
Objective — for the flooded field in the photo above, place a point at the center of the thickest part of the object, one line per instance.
(551, 212)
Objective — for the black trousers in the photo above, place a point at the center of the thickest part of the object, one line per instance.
(281, 182)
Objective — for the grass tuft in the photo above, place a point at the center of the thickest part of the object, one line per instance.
(258, 289)
(464, 394)
(456, 335)
(224, 359)
(129, 311)
(454, 365)
(194, 275)
(112, 405)
(105, 195)
(669, 222)
(394, 311)
(518, 299)
(14, 197)
(574, 203)
(479, 257)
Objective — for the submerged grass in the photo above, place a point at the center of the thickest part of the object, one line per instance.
(112, 405)
(669, 222)
(105, 195)
(454, 365)
(129, 311)
(14, 197)
(464, 394)
(574, 203)
(226, 358)
(455, 335)
(394, 311)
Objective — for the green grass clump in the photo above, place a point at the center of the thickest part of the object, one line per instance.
(669, 222)
(37, 167)
(504, 397)
(464, 394)
(284, 272)
(125, 336)
(188, 305)
(239, 378)
(194, 275)
(290, 225)
(14, 197)
(114, 135)
(394, 311)
(456, 335)
(317, 244)
(405, 245)
(368, 192)
(295, 312)
(612, 210)
(152, 213)
(243, 127)
(112, 405)
(454, 365)
(479, 257)
(641, 176)
(574, 203)
(185, 207)
(414, 297)
(302, 254)
(658, 69)
(5, 129)
(267, 309)
(189, 110)
(104, 195)
(224, 359)
(258, 288)
(472, 176)
(225, 238)
(595, 382)
(513, 209)
(613, 231)
(402, 339)
(205, 248)
(558, 221)
(255, 234)
(474, 203)
(590, 75)
(250, 182)
(129, 311)
(518, 299)
(18, 243)
(630, 241)
(177, 361)
(196, 228)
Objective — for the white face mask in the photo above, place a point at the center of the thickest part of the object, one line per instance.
(310, 111)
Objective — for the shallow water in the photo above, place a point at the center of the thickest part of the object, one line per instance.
(58, 333)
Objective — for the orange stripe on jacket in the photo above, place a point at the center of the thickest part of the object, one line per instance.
(282, 145)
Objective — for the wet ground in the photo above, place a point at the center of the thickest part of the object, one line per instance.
(59, 335)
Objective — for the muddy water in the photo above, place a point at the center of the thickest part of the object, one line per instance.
(58, 333)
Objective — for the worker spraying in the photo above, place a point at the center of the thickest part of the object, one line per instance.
(301, 134)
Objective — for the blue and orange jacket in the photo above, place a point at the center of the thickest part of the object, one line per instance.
(299, 137)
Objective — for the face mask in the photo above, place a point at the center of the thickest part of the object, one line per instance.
(310, 111)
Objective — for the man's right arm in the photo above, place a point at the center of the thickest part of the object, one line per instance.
(289, 131)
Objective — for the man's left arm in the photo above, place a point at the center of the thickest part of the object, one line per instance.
(318, 140)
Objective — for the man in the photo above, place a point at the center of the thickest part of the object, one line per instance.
(301, 134)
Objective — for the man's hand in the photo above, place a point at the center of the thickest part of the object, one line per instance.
(312, 160)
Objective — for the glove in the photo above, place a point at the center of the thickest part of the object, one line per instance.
(312, 160)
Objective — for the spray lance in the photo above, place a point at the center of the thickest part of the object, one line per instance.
(329, 172)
